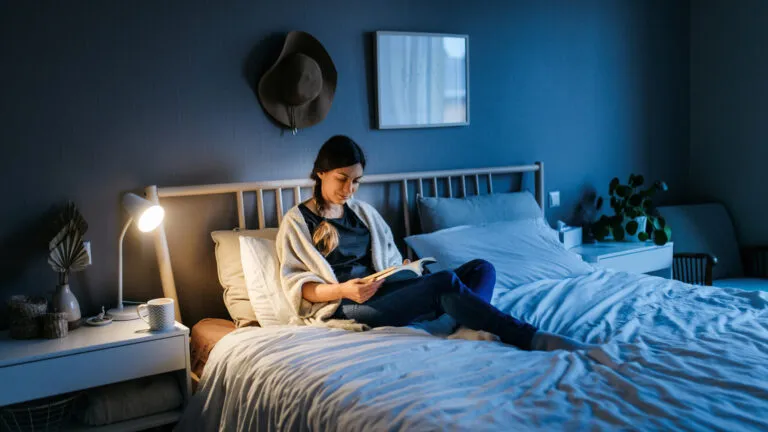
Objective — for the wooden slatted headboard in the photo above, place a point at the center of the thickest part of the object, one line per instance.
(155, 193)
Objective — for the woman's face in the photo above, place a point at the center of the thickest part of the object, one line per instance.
(340, 184)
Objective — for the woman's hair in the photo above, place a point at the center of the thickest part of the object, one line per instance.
(338, 152)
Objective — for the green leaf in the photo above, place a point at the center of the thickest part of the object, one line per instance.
(647, 204)
(660, 237)
(639, 180)
(601, 233)
(623, 191)
(632, 227)
(636, 200)
(612, 185)
(643, 236)
(599, 203)
(618, 233)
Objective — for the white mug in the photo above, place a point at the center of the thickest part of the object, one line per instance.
(160, 315)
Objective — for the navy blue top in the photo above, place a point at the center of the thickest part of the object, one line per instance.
(352, 258)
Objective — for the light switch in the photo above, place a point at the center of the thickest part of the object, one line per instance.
(554, 199)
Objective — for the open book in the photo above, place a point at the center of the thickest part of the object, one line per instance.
(402, 272)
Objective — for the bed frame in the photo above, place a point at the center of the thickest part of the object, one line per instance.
(155, 193)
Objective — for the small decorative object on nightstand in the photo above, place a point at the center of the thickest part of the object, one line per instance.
(55, 325)
(100, 319)
(630, 257)
(569, 236)
(68, 253)
(24, 314)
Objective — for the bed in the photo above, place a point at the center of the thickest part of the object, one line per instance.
(670, 356)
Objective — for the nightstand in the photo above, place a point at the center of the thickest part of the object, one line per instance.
(629, 257)
(91, 357)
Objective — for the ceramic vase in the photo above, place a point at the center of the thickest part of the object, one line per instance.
(64, 301)
(641, 221)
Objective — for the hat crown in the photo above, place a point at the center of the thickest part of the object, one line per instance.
(301, 79)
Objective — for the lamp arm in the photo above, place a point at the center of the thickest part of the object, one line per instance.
(120, 265)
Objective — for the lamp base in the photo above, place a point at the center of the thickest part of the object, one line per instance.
(123, 313)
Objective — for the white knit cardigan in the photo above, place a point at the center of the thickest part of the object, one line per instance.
(301, 262)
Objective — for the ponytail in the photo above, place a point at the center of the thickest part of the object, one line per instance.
(326, 236)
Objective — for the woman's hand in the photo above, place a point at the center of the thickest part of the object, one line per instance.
(406, 261)
(359, 290)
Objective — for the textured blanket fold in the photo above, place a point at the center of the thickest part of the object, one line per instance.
(301, 262)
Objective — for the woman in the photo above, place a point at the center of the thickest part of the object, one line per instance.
(329, 243)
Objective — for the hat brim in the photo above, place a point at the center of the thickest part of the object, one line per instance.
(314, 111)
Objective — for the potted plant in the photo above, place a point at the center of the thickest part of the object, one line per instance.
(68, 253)
(634, 216)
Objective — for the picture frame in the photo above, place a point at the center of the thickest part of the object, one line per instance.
(422, 80)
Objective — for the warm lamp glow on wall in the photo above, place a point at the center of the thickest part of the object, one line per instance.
(147, 216)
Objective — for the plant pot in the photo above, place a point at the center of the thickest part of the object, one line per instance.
(641, 221)
(65, 301)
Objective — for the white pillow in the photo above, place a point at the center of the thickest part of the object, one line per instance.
(522, 251)
(230, 270)
(261, 269)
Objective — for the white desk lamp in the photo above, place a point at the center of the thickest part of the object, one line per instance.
(148, 216)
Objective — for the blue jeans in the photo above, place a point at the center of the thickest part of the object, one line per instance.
(464, 294)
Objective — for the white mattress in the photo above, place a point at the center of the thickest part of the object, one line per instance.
(673, 356)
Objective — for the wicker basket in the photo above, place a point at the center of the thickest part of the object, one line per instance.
(24, 316)
(47, 414)
(55, 325)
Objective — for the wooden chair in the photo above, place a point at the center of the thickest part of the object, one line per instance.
(693, 268)
(707, 252)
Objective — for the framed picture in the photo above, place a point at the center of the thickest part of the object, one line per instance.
(422, 80)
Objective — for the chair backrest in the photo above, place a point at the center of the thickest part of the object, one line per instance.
(706, 228)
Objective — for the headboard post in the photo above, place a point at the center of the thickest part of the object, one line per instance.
(540, 186)
(164, 257)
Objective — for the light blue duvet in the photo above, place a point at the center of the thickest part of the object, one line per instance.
(672, 357)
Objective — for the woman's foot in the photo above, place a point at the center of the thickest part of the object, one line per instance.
(475, 335)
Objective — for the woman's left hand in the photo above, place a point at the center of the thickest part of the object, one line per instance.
(406, 261)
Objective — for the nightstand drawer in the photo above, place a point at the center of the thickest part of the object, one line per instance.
(58, 375)
(640, 262)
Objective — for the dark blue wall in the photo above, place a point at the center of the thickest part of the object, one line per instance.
(103, 97)
(729, 110)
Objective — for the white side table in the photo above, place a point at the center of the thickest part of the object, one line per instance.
(630, 257)
(91, 357)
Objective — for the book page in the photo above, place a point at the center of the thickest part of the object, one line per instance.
(416, 266)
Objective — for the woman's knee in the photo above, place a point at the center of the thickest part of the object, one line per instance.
(484, 268)
(481, 278)
(480, 265)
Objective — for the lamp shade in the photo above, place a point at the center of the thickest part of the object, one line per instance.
(147, 214)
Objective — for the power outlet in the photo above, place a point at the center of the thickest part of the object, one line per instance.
(554, 199)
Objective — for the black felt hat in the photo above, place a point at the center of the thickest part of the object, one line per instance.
(298, 89)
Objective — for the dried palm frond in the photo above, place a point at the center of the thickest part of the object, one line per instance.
(66, 251)
(71, 215)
